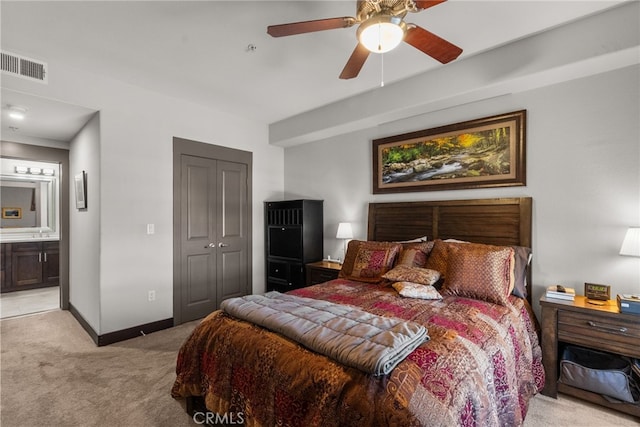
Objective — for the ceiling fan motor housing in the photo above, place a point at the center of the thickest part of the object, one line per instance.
(366, 9)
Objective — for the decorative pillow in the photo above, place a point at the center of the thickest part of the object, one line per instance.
(416, 290)
(414, 254)
(412, 258)
(438, 261)
(438, 257)
(367, 261)
(483, 272)
(404, 273)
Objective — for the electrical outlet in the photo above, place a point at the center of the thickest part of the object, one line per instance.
(152, 296)
(151, 228)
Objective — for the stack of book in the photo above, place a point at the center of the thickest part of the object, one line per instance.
(561, 292)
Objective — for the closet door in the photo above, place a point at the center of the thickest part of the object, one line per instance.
(199, 241)
(231, 230)
(214, 229)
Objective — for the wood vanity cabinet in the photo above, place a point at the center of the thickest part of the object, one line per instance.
(30, 265)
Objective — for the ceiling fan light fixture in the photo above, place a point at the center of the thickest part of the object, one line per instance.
(382, 33)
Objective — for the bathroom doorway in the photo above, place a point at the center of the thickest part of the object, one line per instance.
(34, 230)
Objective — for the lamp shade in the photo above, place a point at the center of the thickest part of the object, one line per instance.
(631, 242)
(344, 231)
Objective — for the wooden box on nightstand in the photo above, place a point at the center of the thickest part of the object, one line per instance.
(322, 271)
(591, 326)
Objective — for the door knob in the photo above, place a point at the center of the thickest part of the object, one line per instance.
(210, 245)
(222, 245)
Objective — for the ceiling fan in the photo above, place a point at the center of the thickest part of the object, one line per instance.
(381, 28)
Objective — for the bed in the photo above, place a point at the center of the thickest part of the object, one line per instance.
(480, 365)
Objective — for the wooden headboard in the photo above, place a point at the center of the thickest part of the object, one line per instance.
(504, 222)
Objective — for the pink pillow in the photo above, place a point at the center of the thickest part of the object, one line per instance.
(478, 271)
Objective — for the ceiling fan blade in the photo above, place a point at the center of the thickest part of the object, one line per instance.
(355, 62)
(309, 26)
(426, 4)
(434, 46)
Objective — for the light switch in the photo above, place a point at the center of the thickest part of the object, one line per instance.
(151, 228)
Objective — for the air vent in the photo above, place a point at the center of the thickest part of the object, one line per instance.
(24, 67)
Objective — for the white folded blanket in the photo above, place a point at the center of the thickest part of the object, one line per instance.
(353, 337)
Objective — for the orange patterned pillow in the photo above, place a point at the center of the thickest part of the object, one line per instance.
(480, 271)
(367, 261)
(438, 257)
(405, 273)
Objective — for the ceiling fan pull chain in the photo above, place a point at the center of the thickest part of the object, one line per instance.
(382, 70)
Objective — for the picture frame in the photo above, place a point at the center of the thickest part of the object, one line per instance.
(485, 152)
(11, 213)
(80, 181)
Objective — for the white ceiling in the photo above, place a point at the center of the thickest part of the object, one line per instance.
(199, 50)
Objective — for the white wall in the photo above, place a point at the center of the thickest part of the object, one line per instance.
(583, 172)
(84, 225)
(137, 127)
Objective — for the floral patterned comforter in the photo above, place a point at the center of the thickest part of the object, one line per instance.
(480, 368)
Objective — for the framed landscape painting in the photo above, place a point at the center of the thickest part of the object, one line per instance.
(486, 152)
(11, 213)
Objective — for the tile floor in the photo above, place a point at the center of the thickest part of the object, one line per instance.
(19, 303)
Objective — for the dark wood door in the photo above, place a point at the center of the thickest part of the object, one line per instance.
(26, 265)
(214, 241)
(50, 263)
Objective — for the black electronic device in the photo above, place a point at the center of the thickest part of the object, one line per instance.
(597, 292)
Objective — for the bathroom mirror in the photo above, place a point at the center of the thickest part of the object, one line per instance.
(29, 204)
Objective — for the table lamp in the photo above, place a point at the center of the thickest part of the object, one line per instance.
(344, 232)
(631, 242)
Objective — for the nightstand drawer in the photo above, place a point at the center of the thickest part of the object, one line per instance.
(614, 334)
(322, 271)
(321, 276)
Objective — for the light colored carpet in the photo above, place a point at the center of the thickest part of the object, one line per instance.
(53, 374)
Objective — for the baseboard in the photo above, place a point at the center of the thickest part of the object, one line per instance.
(85, 325)
(136, 331)
(121, 335)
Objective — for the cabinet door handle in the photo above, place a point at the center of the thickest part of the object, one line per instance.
(45, 257)
(607, 327)
(39, 256)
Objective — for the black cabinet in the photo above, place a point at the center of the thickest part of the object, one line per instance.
(293, 238)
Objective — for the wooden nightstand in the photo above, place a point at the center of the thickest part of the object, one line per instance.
(592, 326)
(322, 271)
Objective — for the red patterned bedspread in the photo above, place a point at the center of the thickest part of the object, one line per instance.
(480, 368)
